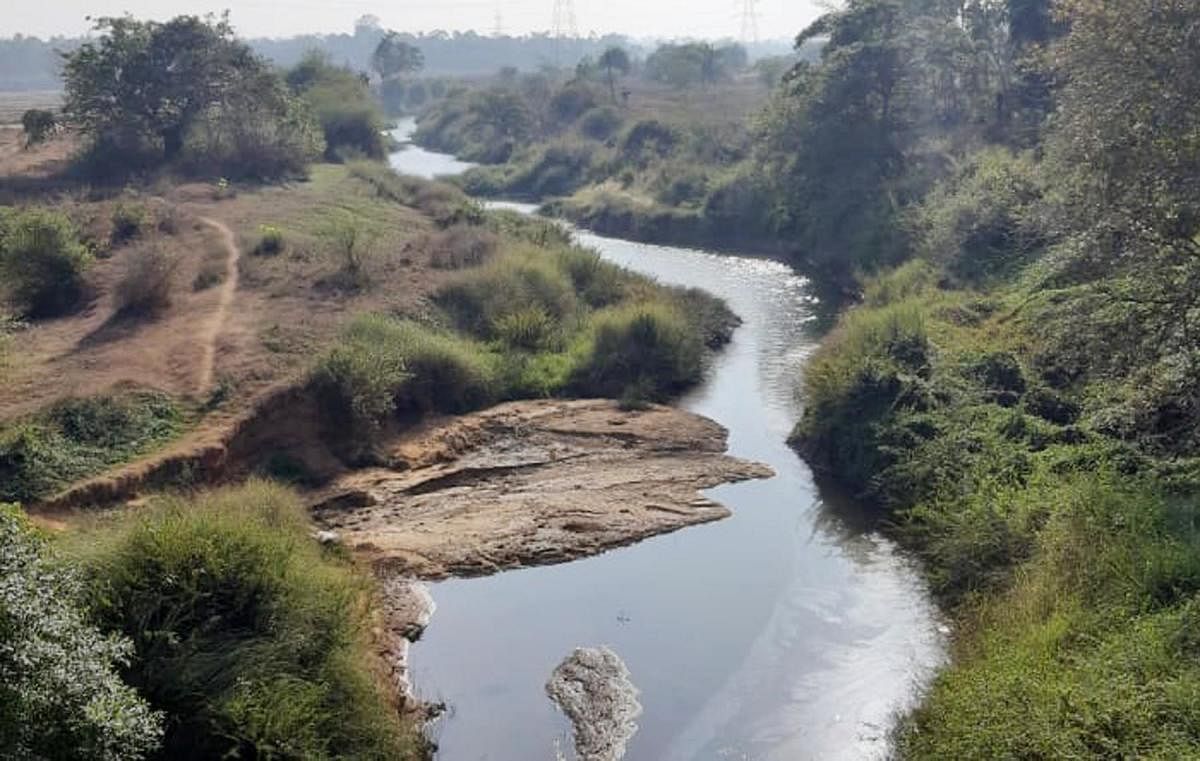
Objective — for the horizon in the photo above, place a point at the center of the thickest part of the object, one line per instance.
(256, 19)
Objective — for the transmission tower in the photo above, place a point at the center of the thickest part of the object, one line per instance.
(498, 27)
(564, 26)
(749, 21)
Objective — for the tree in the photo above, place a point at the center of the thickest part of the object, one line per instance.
(148, 82)
(614, 61)
(38, 125)
(60, 693)
(393, 57)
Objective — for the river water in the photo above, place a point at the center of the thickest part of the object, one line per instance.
(789, 631)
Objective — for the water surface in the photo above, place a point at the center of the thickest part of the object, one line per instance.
(789, 631)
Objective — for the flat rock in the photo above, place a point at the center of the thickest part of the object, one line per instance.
(531, 483)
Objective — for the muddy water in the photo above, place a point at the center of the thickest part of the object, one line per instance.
(789, 631)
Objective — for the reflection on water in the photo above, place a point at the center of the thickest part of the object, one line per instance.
(788, 631)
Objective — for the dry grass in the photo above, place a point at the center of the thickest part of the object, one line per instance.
(14, 104)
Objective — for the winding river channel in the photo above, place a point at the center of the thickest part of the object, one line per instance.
(789, 631)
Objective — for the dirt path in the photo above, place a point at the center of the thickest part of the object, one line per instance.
(212, 333)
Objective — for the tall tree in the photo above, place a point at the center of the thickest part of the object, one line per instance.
(393, 57)
(614, 61)
(148, 82)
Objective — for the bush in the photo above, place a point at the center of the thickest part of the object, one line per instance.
(270, 241)
(867, 372)
(525, 280)
(383, 366)
(61, 695)
(461, 246)
(342, 103)
(645, 349)
(352, 246)
(647, 140)
(79, 437)
(601, 123)
(128, 221)
(42, 261)
(256, 140)
(979, 224)
(146, 287)
(38, 125)
(249, 638)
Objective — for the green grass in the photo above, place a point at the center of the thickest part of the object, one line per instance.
(78, 438)
(540, 318)
(252, 640)
(1068, 558)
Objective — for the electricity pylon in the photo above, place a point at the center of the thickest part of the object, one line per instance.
(749, 20)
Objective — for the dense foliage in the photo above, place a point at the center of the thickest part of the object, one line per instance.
(183, 92)
(43, 261)
(1020, 397)
(246, 635)
(528, 315)
(61, 695)
(80, 437)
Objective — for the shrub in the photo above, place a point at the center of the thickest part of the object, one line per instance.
(871, 369)
(524, 280)
(572, 102)
(352, 246)
(270, 241)
(980, 224)
(600, 123)
(253, 139)
(352, 123)
(128, 221)
(79, 437)
(647, 349)
(383, 366)
(146, 287)
(250, 639)
(461, 246)
(42, 261)
(648, 139)
(61, 695)
(38, 125)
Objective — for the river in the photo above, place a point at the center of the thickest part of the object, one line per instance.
(790, 631)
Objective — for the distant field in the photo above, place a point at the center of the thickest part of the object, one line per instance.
(13, 104)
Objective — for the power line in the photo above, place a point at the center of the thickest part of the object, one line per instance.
(749, 20)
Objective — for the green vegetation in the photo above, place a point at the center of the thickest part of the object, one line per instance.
(534, 317)
(128, 222)
(183, 93)
(77, 438)
(61, 695)
(42, 260)
(247, 636)
(38, 125)
(1017, 397)
(343, 105)
(270, 241)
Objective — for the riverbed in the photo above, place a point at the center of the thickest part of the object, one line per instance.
(791, 630)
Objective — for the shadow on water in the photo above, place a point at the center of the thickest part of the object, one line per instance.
(792, 630)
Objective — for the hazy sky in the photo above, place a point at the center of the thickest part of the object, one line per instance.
(255, 18)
